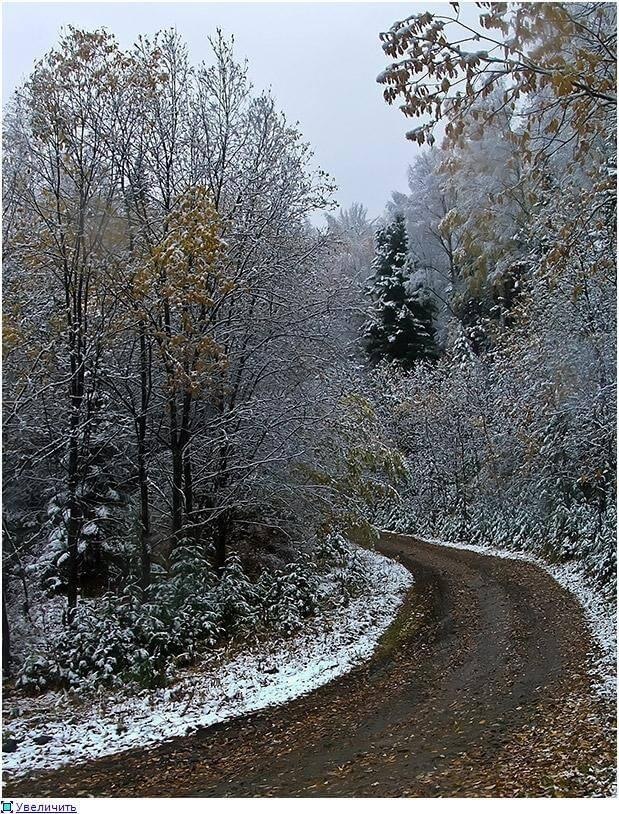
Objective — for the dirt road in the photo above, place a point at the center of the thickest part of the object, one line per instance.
(479, 689)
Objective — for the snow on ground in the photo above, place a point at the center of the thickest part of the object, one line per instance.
(331, 645)
(599, 614)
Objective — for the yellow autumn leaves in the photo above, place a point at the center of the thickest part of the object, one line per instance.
(186, 266)
(180, 287)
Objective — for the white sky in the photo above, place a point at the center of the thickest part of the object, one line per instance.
(320, 60)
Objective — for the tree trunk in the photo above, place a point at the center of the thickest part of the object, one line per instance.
(177, 492)
(142, 469)
(193, 527)
(220, 535)
(73, 523)
(144, 517)
(6, 638)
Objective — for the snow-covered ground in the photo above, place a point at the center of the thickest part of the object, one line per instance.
(599, 614)
(331, 644)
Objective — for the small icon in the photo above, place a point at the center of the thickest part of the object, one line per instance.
(7, 806)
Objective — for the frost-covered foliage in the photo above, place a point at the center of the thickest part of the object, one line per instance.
(177, 359)
(510, 438)
(143, 637)
(99, 543)
(516, 446)
(166, 309)
(332, 642)
(400, 326)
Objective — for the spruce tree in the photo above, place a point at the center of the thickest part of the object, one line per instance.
(401, 324)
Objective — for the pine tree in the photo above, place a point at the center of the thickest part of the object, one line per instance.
(401, 325)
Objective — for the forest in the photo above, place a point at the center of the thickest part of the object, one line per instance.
(498, 274)
(214, 406)
(181, 414)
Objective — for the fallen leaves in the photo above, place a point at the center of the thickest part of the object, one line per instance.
(478, 690)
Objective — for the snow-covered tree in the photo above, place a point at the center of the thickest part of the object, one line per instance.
(510, 437)
(401, 319)
(173, 333)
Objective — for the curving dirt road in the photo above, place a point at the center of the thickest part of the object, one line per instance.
(479, 689)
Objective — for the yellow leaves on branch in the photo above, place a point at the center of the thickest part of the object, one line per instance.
(186, 267)
(11, 333)
(180, 287)
(562, 83)
(565, 50)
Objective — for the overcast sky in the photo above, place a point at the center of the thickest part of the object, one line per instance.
(320, 60)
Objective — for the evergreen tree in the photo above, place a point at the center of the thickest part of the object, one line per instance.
(401, 324)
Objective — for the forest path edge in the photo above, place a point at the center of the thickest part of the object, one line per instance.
(480, 688)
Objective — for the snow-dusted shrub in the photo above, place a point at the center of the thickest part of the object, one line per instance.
(331, 550)
(103, 511)
(395, 516)
(289, 596)
(142, 636)
(95, 648)
(187, 602)
(238, 597)
(351, 579)
(38, 672)
(347, 572)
